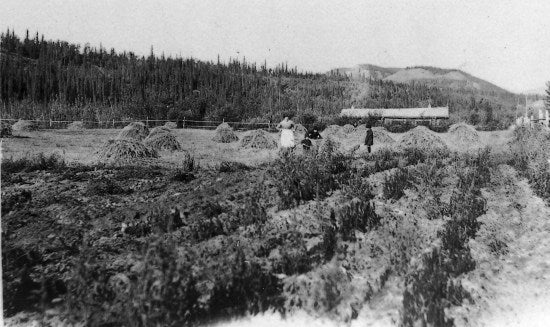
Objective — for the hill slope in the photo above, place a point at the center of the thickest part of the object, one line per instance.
(452, 78)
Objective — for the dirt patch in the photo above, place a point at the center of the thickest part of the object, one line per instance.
(225, 134)
(136, 130)
(421, 137)
(258, 139)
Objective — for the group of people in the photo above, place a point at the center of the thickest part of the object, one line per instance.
(286, 127)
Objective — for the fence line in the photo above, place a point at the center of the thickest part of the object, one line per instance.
(185, 123)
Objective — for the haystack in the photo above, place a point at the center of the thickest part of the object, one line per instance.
(422, 138)
(361, 129)
(76, 126)
(258, 139)
(171, 125)
(24, 126)
(158, 130)
(330, 130)
(136, 130)
(124, 150)
(464, 134)
(381, 135)
(163, 142)
(347, 129)
(225, 134)
(5, 129)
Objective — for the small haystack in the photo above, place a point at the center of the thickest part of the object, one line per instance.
(225, 134)
(158, 130)
(136, 131)
(124, 150)
(163, 142)
(422, 138)
(5, 129)
(171, 125)
(258, 139)
(381, 135)
(330, 130)
(464, 134)
(24, 126)
(76, 126)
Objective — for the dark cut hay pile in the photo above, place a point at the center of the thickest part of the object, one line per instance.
(136, 131)
(163, 142)
(381, 135)
(258, 139)
(125, 150)
(5, 129)
(24, 126)
(225, 134)
(76, 126)
(464, 134)
(171, 125)
(158, 130)
(422, 138)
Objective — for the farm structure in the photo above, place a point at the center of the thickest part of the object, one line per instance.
(434, 116)
(535, 114)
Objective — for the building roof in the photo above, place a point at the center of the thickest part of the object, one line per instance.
(430, 112)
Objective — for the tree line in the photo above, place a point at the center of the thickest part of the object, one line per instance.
(62, 81)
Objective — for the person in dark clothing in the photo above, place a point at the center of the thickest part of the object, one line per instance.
(369, 139)
(306, 142)
(314, 135)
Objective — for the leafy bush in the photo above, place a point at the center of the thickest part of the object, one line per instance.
(357, 215)
(305, 178)
(429, 291)
(395, 183)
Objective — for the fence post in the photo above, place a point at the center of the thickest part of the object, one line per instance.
(113, 123)
(50, 123)
(183, 123)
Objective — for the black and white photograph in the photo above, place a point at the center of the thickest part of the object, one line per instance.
(275, 163)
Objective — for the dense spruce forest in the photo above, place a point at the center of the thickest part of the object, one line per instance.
(44, 79)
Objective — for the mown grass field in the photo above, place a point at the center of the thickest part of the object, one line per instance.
(401, 236)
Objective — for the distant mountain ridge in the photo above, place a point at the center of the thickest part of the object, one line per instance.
(452, 78)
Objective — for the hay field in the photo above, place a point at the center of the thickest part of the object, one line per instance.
(218, 230)
(80, 145)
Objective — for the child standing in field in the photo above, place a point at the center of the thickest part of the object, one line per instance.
(286, 126)
(369, 139)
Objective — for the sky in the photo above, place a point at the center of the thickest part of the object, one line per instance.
(504, 42)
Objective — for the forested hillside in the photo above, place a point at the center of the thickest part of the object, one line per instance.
(57, 80)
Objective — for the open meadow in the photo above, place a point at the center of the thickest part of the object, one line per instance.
(430, 228)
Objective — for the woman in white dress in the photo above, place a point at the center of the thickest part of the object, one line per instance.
(287, 133)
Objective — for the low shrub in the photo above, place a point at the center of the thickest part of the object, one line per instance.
(395, 183)
(429, 291)
(33, 163)
(357, 215)
(232, 166)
